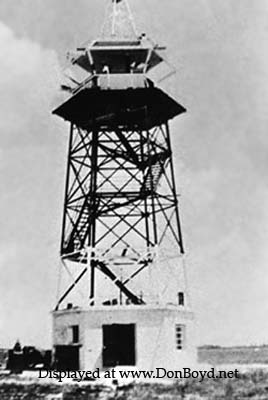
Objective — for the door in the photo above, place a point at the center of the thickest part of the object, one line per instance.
(67, 358)
(118, 345)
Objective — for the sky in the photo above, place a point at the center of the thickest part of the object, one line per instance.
(220, 150)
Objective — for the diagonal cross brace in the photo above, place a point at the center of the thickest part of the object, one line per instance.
(103, 267)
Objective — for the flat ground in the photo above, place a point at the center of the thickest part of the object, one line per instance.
(233, 355)
(251, 385)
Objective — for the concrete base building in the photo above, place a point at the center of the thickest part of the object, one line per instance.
(146, 337)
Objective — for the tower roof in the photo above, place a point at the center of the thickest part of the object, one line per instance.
(144, 107)
(116, 84)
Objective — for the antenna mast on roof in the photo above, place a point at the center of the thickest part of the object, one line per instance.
(119, 22)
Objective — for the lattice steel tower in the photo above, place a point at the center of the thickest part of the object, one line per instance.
(121, 224)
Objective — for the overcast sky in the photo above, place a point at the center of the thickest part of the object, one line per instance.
(220, 147)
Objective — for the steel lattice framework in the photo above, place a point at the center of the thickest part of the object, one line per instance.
(118, 182)
(120, 199)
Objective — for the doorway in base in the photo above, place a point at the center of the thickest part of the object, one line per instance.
(67, 358)
(118, 345)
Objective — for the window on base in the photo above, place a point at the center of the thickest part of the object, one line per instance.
(75, 333)
(180, 336)
(181, 299)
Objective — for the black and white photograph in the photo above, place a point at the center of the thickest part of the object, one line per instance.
(134, 199)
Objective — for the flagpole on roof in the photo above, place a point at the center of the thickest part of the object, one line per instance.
(131, 17)
(114, 16)
(119, 21)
